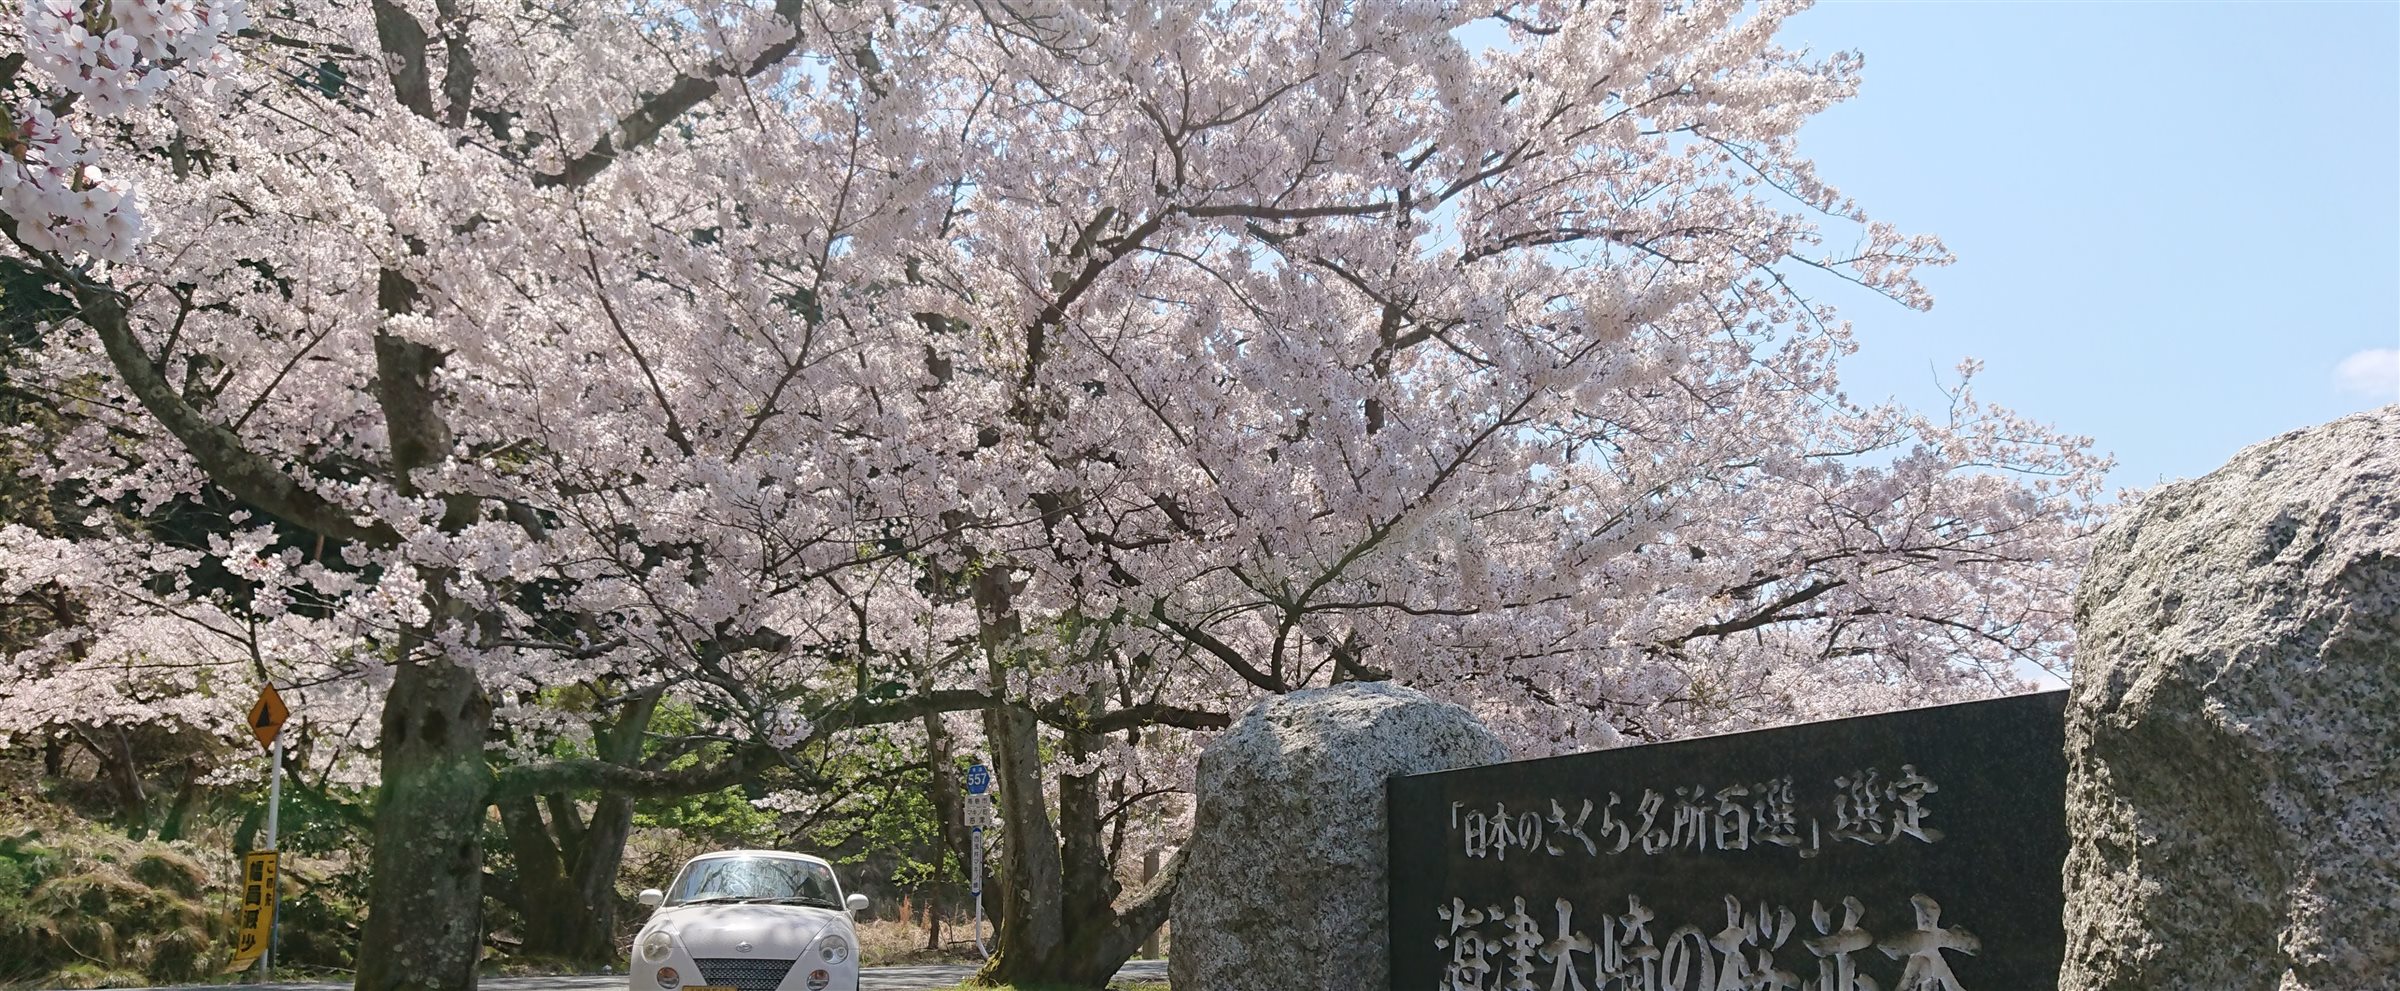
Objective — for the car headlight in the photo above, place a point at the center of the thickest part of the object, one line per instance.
(656, 945)
(833, 948)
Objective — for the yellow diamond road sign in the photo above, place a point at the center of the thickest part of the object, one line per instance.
(266, 718)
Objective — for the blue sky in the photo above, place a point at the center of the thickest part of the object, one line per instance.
(2175, 222)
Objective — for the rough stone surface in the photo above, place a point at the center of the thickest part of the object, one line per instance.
(2233, 729)
(1283, 889)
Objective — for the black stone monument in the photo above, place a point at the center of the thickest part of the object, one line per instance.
(1916, 849)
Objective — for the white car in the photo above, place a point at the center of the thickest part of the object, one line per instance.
(749, 920)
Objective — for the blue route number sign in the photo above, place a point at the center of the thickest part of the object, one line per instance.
(979, 779)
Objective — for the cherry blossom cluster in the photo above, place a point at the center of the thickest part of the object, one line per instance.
(93, 60)
(118, 55)
(56, 193)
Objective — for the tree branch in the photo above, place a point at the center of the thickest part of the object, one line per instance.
(587, 774)
(1152, 714)
(1232, 658)
(403, 41)
(1773, 612)
(458, 80)
(746, 762)
(246, 474)
(641, 127)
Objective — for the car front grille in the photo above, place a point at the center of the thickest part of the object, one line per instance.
(743, 973)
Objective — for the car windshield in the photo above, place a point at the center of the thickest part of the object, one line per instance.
(780, 880)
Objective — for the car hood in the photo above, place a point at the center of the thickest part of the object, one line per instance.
(774, 932)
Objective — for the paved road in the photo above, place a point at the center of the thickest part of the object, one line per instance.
(914, 978)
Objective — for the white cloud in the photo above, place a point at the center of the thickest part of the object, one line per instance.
(2370, 374)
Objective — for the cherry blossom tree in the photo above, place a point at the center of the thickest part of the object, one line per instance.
(1093, 367)
(1339, 351)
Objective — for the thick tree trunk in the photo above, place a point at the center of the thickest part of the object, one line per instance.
(1032, 930)
(543, 895)
(567, 869)
(566, 876)
(1059, 921)
(1032, 936)
(1089, 879)
(424, 928)
(1150, 876)
(595, 876)
(1097, 934)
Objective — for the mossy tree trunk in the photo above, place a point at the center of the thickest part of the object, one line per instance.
(567, 866)
(1063, 922)
(424, 927)
(1060, 921)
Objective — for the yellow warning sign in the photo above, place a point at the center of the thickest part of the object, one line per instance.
(266, 718)
(257, 918)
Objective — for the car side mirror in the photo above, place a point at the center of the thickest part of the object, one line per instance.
(857, 903)
(651, 897)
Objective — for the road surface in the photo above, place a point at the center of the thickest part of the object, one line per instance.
(916, 978)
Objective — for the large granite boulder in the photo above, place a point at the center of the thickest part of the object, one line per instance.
(2233, 727)
(1283, 886)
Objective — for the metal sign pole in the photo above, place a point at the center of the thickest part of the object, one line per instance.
(266, 957)
(975, 886)
(255, 942)
(979, 810)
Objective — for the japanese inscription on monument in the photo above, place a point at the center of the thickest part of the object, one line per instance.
(1913, 850)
